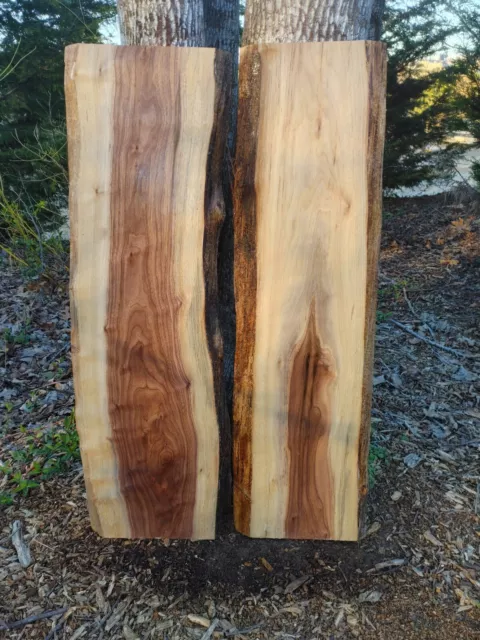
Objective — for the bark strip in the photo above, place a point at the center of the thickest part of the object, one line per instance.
(377, 59)
(214, 210)
(245, 227)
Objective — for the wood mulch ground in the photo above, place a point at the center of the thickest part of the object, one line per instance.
(415, 574)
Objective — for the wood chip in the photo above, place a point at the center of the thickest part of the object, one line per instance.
(388, 564)
(370, 596)
(297, 611)
(443, 455)
(428, 535)
(339, 617)
(200, 620)
(128, 634)
(166, 624)
(396, 380)
(295, 584)
(79, 632)
(373, 528)
(266, 564)
(111, 585)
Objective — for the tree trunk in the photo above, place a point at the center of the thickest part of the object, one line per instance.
(162, 22)
(307, 20)
(376, 21)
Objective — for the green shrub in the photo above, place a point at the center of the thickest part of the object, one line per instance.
(475, 173)
(24, 239)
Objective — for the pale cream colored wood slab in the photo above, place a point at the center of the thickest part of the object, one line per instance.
(307, 225)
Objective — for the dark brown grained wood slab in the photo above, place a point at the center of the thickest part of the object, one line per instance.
(307, 228)
(146, 130)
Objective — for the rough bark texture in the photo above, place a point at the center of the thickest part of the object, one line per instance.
(378, 10)
(215, 212)
(222, 31)
(268, 21)
(165, 22)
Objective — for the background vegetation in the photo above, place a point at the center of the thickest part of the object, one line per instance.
(433, 107)
(33, 159)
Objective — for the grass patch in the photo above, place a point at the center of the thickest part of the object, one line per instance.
(20, 337)
(43, 454)
(383, 316)
(377, 456)
(393, 291)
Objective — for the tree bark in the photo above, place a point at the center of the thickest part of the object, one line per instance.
(222, 31)
(268, 21)
(376, 20)
(162, 22)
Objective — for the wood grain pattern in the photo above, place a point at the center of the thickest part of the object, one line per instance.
(147, 351)
(307, 224)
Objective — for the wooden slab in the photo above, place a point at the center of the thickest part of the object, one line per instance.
(146, 130)
(307, 227)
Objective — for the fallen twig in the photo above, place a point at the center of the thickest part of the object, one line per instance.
(432, 343)
(240, 632)
(41, 616)
(21, 547)
(208, 633)
(388, 565)
(59, 625)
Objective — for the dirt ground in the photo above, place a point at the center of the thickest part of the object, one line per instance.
(416, 572)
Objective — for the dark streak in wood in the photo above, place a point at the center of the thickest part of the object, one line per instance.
(149, 393)
(377, 66)
(245, 227)
(310, 498)
(214, 209)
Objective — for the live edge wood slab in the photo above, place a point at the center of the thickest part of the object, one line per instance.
(146, 136)
(307, 227)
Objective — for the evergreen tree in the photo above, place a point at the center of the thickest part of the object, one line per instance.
(467, 67)
(33, 35)
(419, 103)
